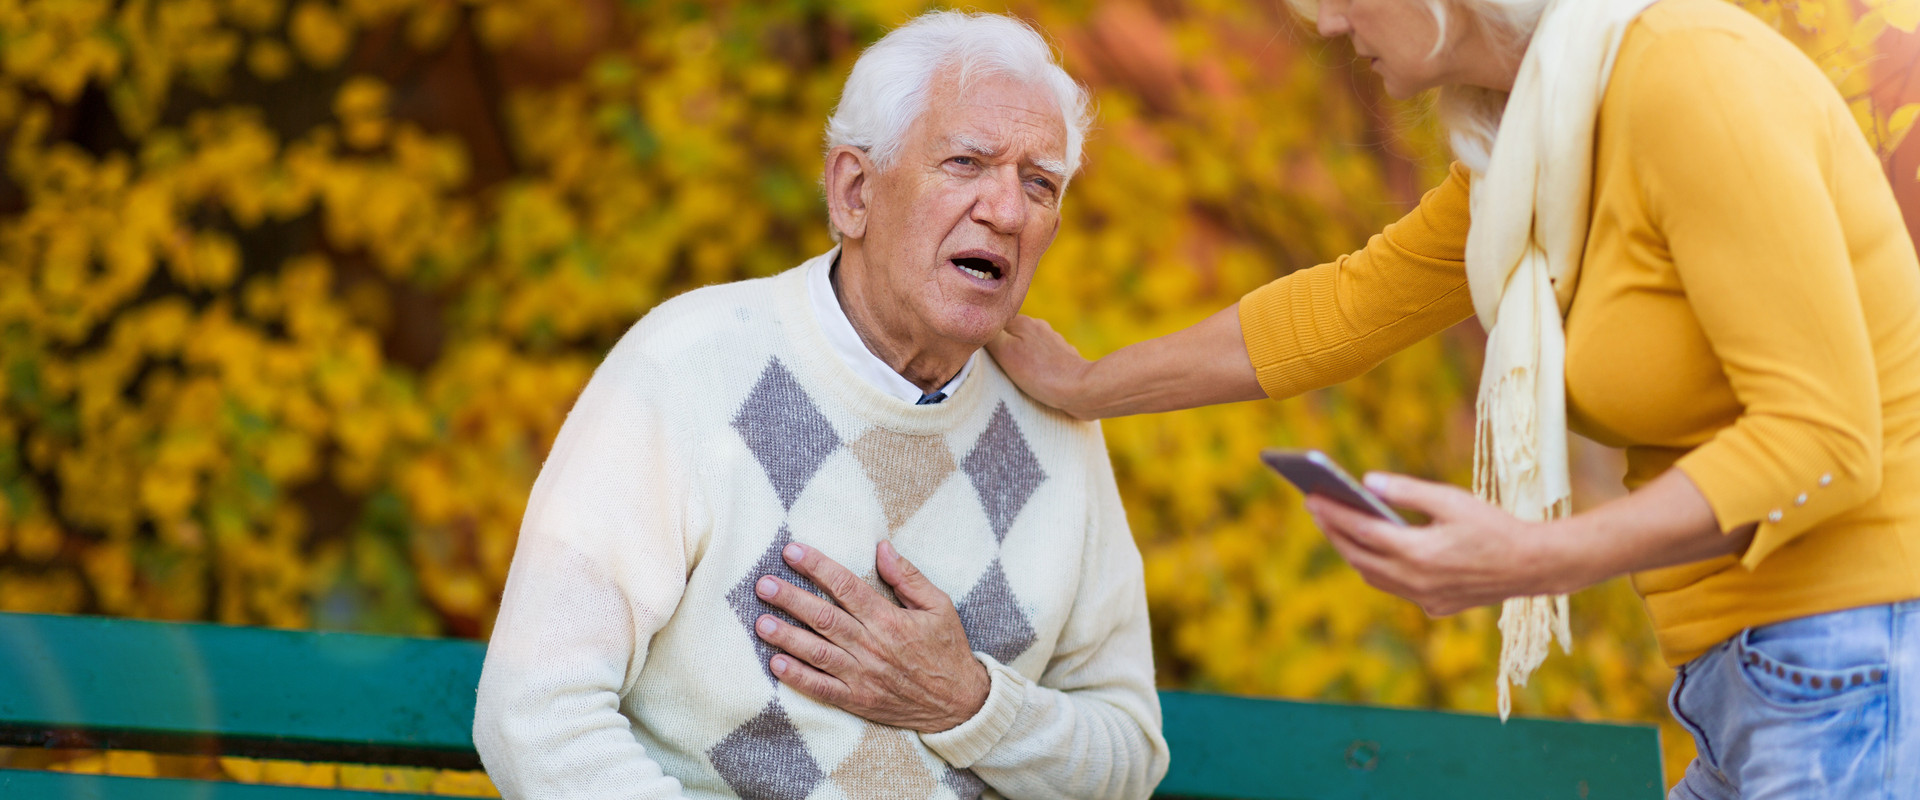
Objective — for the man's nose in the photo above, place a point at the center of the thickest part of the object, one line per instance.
(1001, 205)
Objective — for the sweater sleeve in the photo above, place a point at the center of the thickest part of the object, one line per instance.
(1735, 164)
(1090, 727)
(1322, 325)
(599, 567)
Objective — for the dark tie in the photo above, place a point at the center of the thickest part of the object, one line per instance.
(930, 398)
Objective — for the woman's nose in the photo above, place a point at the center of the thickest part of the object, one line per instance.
(1332, 18)
(1332, 25)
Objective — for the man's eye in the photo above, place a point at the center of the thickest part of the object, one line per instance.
(1042, 184)
(965, 161)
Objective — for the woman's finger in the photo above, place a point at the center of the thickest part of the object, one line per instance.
(1376, 569)
(1363, 529)
(1436, 500)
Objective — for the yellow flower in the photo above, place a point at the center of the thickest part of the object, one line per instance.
(361, 106)
(269, 60)
(319, 34)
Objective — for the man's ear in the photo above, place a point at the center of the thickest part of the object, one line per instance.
(849, 184)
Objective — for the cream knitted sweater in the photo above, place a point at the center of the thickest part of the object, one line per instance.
(623, 663)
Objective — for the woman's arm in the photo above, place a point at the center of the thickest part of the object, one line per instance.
(1311, 328)
(1766, 194)
(1474, 554)
(1199, 366)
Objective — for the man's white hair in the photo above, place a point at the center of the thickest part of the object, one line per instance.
(889, 86)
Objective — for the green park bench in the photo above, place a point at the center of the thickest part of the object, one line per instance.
(100, 683)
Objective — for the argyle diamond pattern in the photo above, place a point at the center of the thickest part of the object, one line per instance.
(964, 783)
(1003, 471)
(747, 604)
(905, 470)
(884, 766)
(993, 619)
(766, 758)
(785, 431)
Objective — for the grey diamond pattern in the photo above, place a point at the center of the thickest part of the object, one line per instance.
(748, 606)
(995, 625)
(785, 431)
(766, 758)
(1003, 471)
(964, 783)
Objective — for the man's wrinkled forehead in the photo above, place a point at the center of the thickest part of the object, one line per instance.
(981, 147)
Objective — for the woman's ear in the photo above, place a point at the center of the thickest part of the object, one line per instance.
(849, 189)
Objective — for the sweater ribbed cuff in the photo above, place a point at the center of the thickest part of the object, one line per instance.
(1286, 326)
(963, 744)
(1787, 481)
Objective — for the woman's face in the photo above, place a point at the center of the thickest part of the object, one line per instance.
(1398, 38)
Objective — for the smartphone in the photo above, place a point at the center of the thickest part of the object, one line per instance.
(1314, 473)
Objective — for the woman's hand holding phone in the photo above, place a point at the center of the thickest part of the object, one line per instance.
(1471, 553)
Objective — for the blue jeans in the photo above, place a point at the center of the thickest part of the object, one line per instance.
(1826, 706)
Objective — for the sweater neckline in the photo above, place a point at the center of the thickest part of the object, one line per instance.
(823, 368)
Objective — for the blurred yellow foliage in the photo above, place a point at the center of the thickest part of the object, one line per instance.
(295, 295)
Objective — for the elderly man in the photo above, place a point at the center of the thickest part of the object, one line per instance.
(831, 446)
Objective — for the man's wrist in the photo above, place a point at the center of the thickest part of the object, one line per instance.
(969, 704)
(967, 743)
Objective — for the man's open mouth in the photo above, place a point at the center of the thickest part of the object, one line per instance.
(982, 265)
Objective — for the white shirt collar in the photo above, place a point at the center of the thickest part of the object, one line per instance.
(846, 341)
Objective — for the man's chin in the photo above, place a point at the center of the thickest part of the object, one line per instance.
(972, 327)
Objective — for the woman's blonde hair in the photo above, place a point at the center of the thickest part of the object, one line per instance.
(1471, 114)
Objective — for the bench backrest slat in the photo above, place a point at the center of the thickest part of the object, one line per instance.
(173, 687)
(68, 786)
(1257, 749)
(189, 687)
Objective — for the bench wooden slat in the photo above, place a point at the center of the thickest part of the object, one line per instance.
(68, 786)
(190, 687)
(1257, 749)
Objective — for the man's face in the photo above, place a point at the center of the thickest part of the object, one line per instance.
(957, 225)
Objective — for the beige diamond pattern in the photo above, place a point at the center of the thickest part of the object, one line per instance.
(884, 766)
(905, 469)
(879, 584)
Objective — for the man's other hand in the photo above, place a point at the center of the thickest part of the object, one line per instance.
(905, 665)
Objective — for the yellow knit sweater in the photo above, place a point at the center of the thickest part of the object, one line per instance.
(1748, 312)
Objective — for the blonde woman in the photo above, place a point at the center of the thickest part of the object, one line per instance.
(1681, 246)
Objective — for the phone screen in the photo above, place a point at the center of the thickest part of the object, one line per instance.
(1314, 473)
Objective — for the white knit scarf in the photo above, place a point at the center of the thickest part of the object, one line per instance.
(1529, 226)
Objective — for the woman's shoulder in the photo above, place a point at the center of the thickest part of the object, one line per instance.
(1685, 65)
(1693, 46)
(1691, 17)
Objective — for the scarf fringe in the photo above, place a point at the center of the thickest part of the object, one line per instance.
(1505, 465)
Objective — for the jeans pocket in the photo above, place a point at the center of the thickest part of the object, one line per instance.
(1790, 676)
